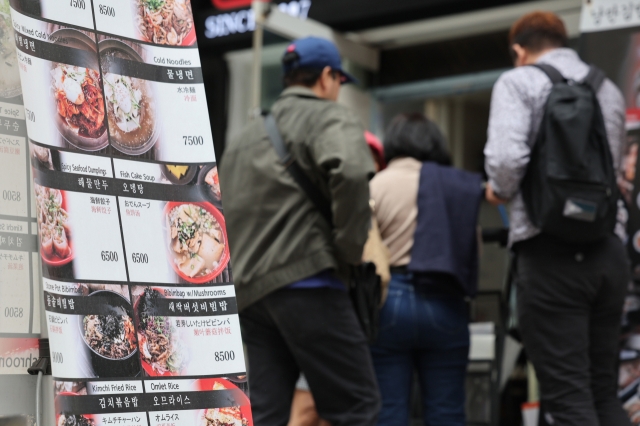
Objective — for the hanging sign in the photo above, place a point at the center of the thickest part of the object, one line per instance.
(137, 287)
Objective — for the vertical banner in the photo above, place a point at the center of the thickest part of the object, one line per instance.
(611, 40)
(137, 287)
(19, 259)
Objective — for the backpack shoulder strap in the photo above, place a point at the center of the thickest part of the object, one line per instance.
(595, 78)
(293, 168)
(554, 75)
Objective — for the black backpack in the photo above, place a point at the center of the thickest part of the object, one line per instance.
(569, 188)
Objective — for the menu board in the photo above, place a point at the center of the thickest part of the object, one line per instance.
(19, 260)
(137, 287)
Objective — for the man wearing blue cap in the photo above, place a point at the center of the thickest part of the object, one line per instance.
(289, 262)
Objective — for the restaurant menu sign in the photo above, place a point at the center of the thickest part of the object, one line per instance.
(611, 40)
(137, 287)
(19, 258)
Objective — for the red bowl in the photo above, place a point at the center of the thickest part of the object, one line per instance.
(65, 393)
(153, 373)
(245, 404)
(145, 365)
(55, 260)
(224, 259)
(190, 38)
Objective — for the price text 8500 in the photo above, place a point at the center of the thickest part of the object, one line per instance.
(107, 10)
(224, 356)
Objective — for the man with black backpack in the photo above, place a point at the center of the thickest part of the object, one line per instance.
(555, 140)
(292, 251)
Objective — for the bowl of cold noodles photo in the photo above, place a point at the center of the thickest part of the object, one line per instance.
(197, 241)
(79, 103)
(56, 247)
(237, 414)
(161, 351)
(168, 22)
(110, 335)
(130, 111)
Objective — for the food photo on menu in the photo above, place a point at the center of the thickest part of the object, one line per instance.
(143, 85)
(236, 415)
(91, 330)
(61, 84)
(54, 226)
(161, 351)
(167, 22)
(130, 105)
(198, 244)
(74, 420)
(43, 158)
(184, 331)
(80, 106)
(76, 90)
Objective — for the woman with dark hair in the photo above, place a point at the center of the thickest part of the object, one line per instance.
(427, 213)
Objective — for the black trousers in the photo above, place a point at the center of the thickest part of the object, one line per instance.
(314, 331)
(570, 303)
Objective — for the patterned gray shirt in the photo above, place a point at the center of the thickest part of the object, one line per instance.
(517, 107)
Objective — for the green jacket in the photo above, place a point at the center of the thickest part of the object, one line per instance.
(276, 235)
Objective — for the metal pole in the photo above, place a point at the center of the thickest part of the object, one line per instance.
(260, 9)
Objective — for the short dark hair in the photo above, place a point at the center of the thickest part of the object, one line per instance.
(300, 76)
(307, 77)
(537, 31)
(414, 135)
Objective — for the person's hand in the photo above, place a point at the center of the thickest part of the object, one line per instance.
(492, 197)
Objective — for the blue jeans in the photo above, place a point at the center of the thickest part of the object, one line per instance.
(427, 333)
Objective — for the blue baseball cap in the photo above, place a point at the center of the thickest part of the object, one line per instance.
(315, 52)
